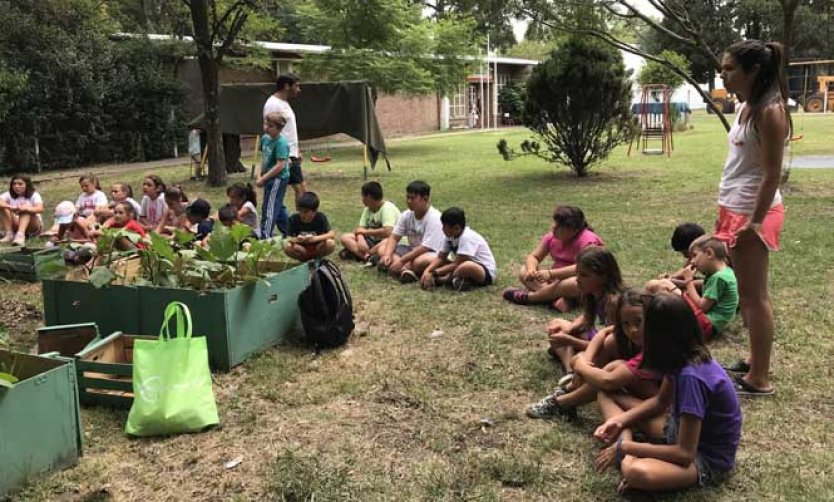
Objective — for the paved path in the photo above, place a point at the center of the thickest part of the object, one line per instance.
(813, 162)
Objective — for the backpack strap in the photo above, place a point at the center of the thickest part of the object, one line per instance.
(317, 290)
(333, 273)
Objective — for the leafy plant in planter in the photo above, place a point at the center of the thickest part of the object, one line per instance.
(168, 263)
(7, 378)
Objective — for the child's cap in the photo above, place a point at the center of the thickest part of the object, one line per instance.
(64, 213)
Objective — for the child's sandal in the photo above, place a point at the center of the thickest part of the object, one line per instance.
(516, 295)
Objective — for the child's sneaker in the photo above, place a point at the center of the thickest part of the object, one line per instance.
(408, 276)
(9, 237)
(515, 295)
(371, 261)
(461, 284)
(549, 408)
(19, 240)
(344, 254)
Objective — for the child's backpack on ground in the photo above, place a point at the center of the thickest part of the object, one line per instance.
(326, 308)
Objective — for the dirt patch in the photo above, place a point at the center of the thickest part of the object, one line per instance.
(14, 313)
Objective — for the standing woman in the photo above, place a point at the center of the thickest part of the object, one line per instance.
(750, 205)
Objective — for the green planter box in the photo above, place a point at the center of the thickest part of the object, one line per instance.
(236, 322)
(28, 264)
(40, 425)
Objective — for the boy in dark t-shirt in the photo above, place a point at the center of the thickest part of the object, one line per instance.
(309, 235)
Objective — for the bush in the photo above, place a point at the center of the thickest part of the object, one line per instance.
(511, 99)
(86, 99)
(577, 105)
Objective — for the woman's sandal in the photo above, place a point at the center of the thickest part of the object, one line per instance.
(744, 388)
(739, 366)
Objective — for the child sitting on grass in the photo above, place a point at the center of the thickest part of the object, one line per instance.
(69, 225)
(421, 225)
(717, 305)
(124, 217)
(702, 429)
(119, 192)
(153, 202)
(610, 363)
(227, 215)
(599, 280)
(375, 225)
(198, 217)
(20, 211)
(472, 265)
(309, 235)
(174, 215)
(682, 237)
(569, 234)
(244, 200)
(90, 199)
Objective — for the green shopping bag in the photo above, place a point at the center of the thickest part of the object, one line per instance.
(171, 381)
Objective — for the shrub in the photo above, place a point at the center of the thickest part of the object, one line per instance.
(656, 73)
(511, 99)
(577, 105)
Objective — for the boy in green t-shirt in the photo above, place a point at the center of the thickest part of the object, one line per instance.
(376, 223)
(275, 174)
(717, 305)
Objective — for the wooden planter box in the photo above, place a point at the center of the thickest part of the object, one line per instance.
(236, 322)
(66, 340)
(40, 425)
(27, 264)
(105, 371)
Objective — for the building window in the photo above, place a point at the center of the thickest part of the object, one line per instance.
(457, 104)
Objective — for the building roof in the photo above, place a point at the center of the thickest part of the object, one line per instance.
(302, 49)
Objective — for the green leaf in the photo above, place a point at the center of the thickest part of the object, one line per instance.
(7, 380)
(240, 232)
(101, 276)
(182, 237)
(223, 244)
(162, 247)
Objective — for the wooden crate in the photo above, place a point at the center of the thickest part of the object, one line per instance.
(40, 424)
(28, 264)
(66, 340)
(105, 371)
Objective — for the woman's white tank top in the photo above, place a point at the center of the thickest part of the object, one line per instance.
(743, 169)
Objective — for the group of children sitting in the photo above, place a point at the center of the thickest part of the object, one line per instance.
(671, 413)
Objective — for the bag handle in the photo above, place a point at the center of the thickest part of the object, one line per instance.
(183, 321)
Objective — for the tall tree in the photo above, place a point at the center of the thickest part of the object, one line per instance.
(491, 17)
(387, 42)
(218, 25)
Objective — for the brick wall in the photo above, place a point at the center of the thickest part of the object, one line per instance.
(400, 115)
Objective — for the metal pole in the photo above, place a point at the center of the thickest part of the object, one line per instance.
(495, 92)
(488, 104)
(481, 97)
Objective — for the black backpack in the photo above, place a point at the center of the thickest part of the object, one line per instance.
(326, 308)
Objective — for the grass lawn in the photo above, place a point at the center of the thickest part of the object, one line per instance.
(399, 415)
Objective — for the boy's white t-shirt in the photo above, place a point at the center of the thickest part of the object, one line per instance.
(87, 203)
(251, 218)
(427, 231)
(153, 209)
(34, 200)
(472, 245)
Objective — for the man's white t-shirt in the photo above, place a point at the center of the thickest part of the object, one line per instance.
(472, 245)
(34, 200)
(427, 231)
(87, 203)
(277, 105)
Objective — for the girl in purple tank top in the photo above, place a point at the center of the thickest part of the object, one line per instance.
(696, 443)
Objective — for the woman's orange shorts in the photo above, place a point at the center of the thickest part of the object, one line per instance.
(730, 222)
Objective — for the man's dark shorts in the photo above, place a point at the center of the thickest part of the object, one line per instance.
(296, 176)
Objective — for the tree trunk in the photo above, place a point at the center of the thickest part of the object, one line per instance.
(211, 93)
(788, 17)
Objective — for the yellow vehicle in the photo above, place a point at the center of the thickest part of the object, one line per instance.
(725, 102)
(815, 101)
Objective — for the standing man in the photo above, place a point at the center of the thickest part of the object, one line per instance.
(288, 86)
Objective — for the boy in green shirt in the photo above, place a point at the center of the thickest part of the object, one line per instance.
(375, 225)
(717, 305)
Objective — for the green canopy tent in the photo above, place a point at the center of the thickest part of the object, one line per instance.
(322, 109)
